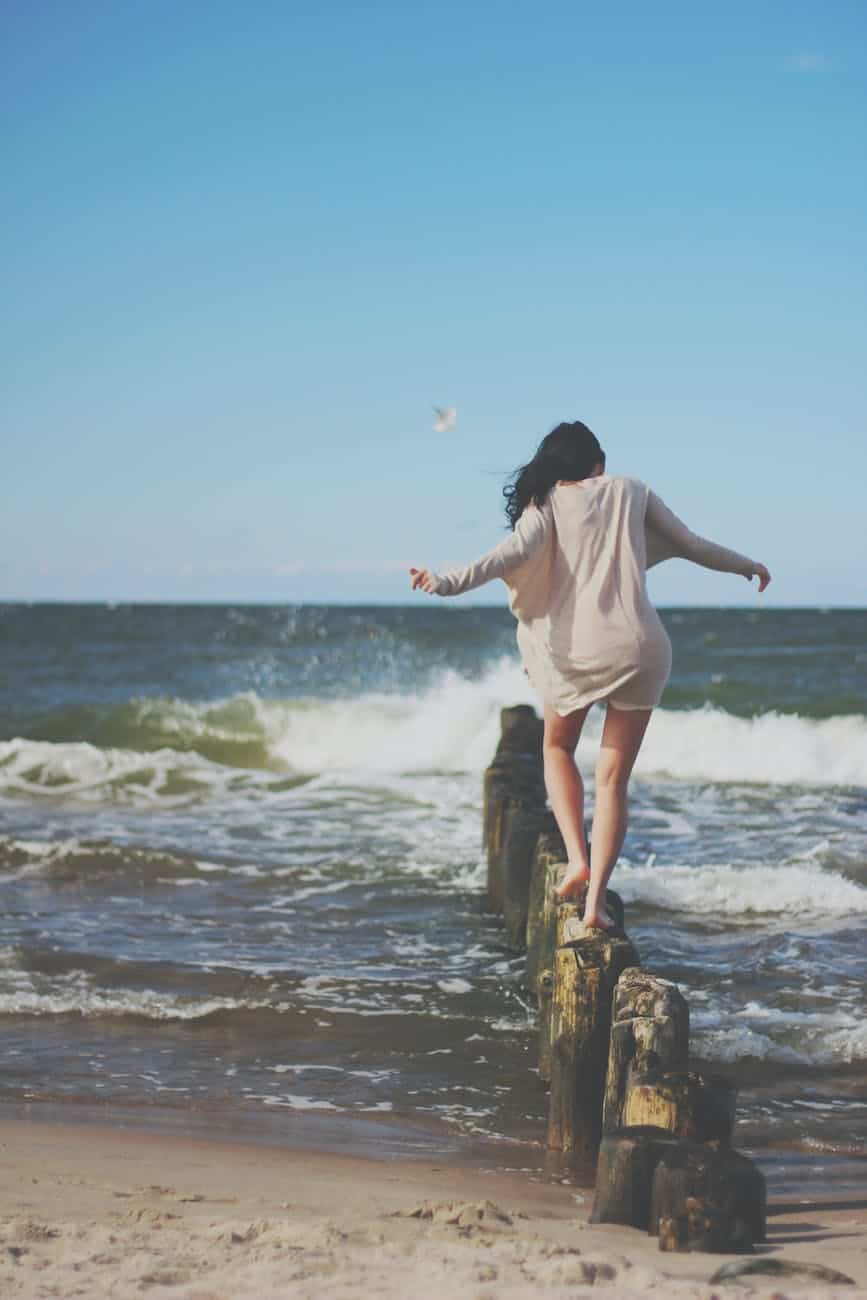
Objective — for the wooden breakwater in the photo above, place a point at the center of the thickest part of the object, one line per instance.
(613, 1038)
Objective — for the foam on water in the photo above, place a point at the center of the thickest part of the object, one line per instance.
(772, 748)
(761, 892)
(452, 726)
(768, 1034)
(91, 1002)
(86, 773)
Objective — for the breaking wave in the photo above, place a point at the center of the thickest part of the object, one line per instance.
(177, 751)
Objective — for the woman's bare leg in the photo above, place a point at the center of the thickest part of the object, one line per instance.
(621, 740)
(566, 792)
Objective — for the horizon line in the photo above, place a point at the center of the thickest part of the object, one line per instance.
(110, 601)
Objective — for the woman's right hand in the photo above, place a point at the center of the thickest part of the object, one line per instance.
(424, 578)
(759, 571)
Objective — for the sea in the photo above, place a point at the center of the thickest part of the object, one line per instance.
(243, 890)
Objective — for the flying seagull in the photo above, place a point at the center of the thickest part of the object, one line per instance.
(446, 416)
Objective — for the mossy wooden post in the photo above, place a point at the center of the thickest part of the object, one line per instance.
(547, 873)
(690, 1105)
(548, 870)
(555, 917)
(585, 973)
(560, 923)
(706, 1196)
(649, 1032)
(515, 778)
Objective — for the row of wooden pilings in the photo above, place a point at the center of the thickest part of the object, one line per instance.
(613, 1039)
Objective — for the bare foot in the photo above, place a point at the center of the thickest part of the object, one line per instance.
(572, 883)
(599, 920)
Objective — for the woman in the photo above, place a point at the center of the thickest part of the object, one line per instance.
(575, 567)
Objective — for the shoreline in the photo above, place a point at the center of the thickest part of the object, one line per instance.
(793, 1171)
(95, 1209)
(407, 1136)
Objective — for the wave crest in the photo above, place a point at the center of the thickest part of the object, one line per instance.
(168, 749)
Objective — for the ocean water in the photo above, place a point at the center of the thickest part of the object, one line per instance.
(242, 875)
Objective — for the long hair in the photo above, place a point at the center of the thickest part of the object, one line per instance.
(570, 451)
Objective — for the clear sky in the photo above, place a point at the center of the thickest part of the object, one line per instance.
(246, 245)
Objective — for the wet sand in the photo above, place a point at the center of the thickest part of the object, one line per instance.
(95, 1211)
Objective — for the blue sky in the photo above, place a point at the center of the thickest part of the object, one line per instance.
(246, 246)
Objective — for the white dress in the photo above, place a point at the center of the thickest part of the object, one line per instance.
(575, 570)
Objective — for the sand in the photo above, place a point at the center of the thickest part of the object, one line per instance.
(95, 1211)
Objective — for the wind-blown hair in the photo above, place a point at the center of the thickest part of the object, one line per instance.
(569, 452)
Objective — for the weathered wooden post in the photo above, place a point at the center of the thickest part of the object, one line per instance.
(689, 1105)
(549, 868)
(613, 1039)
(514, 779)
(624, 1175)
(551, 923)
(694, 1196)
(649, 1032)
(541, 927)
(707, 1196)
(523, 826)
(585, 973)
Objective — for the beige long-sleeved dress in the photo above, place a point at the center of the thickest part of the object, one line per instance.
(575, 569)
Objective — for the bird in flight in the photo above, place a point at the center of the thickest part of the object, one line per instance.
(446, 416)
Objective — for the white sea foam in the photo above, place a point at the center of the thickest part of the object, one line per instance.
(772, 1034)
(450, 726)
(773, 748)
(734, 1042)
(301, 1103)
(89, 1002)
(764, 891)
(87, 773)
(22, 857)
(454, 725)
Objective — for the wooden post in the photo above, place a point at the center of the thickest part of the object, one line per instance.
(694, 1196)
(523, 826)
(541, 927)
(521, 731)
(696, 1106)
(585, 973)
(624, 1175)
(641, 994)
(555, 916)
(702, 1226)
(706, 1196)
(549, 867)
(560, 924)
(650, 1032)
(515, 778)
(569, 924)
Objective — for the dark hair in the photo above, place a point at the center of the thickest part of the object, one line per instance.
(570, 451)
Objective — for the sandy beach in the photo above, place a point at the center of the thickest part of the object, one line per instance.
(88, 1210)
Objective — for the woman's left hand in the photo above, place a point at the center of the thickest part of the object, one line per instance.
(759, 571)
(423, 578)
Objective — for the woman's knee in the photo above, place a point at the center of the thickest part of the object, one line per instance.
(554, 747)
(612, 773)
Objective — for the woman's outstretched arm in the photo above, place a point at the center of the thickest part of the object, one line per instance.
(683, 542)
(531, 532)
